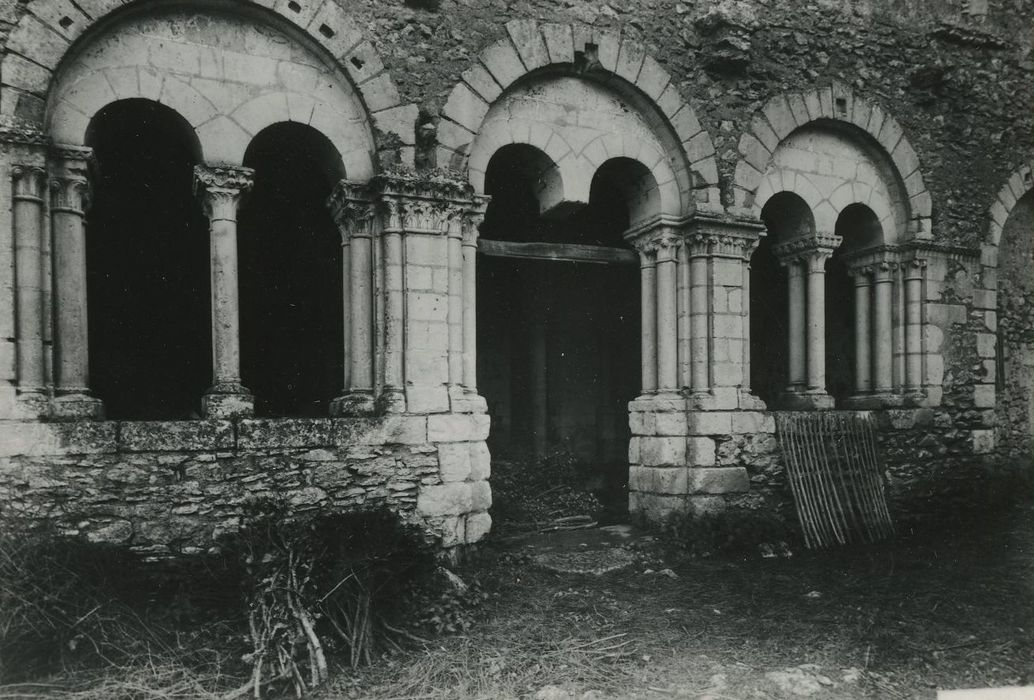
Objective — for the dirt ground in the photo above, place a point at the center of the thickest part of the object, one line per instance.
(952, 607)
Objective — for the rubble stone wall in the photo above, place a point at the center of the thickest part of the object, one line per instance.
(166, 488)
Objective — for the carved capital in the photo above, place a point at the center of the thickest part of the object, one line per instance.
(29, 182)
(220, 189)
(473, 218)
(723, 237)
(70, 179)
(806, 247)
(352, 210)
(70, 193)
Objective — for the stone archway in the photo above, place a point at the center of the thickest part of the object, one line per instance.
(530, 48)
(36, 51)
(784, 114)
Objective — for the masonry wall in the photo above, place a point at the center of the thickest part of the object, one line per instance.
(960, 80)
(165, 488)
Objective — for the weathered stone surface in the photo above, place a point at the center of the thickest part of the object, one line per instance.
(445, 499)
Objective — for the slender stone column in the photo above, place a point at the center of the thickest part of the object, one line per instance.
(353, 212)
(394, 322)
(862, 330)
(667, 315)
(796, 296)
(220, 189)
(914, 326)
(684, 332)
(69, 189)
(648, 296)
(883, 339)
(816, 262)
(699, 313)
(470, 246)
(455, 313)
(346, 311)
(27, 214)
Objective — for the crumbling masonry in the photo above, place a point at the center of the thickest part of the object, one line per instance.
(334, 253)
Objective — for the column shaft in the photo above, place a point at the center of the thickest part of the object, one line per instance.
(862, 333)
(648, 296)
(346, 312)
(817, 322)
(699, 302)
(883, 339)
(361, 300)
(70, 268)
(667, 336)
(27, 215)
(797, 359)
(684, 332)
(914, 328)
(394, 325)
(470, 311)
(455, 313)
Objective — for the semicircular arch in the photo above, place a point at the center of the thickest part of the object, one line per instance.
(51, 39)
(532, 49)
(839, 107)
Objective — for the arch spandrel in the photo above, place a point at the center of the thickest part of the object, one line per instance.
(51, 40)
(535, 54)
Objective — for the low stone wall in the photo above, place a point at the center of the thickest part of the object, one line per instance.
(165, 488)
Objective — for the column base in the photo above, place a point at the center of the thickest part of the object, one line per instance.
(354, 403)
(227, 401)
(391, 401)
(807, 400)
(33, 404)
(77, 406)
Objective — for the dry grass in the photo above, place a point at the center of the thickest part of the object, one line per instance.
(953, 608)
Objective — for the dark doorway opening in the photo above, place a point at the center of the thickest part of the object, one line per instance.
(147, 265)
(290, 274)
(558, 339)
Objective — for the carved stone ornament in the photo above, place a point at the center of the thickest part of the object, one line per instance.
(438, 203)
(352, 209)
(719, 237)
(221, 187)
(29, 182)
(804, 247)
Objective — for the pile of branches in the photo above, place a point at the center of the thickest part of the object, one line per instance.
(339, 586)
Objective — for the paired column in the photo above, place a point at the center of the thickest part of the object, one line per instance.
(663, 322)
(354, 214)
(862, 329)
(883, 336)
(29, 185)
(69, 190)
(220, 189)
(805, 262)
